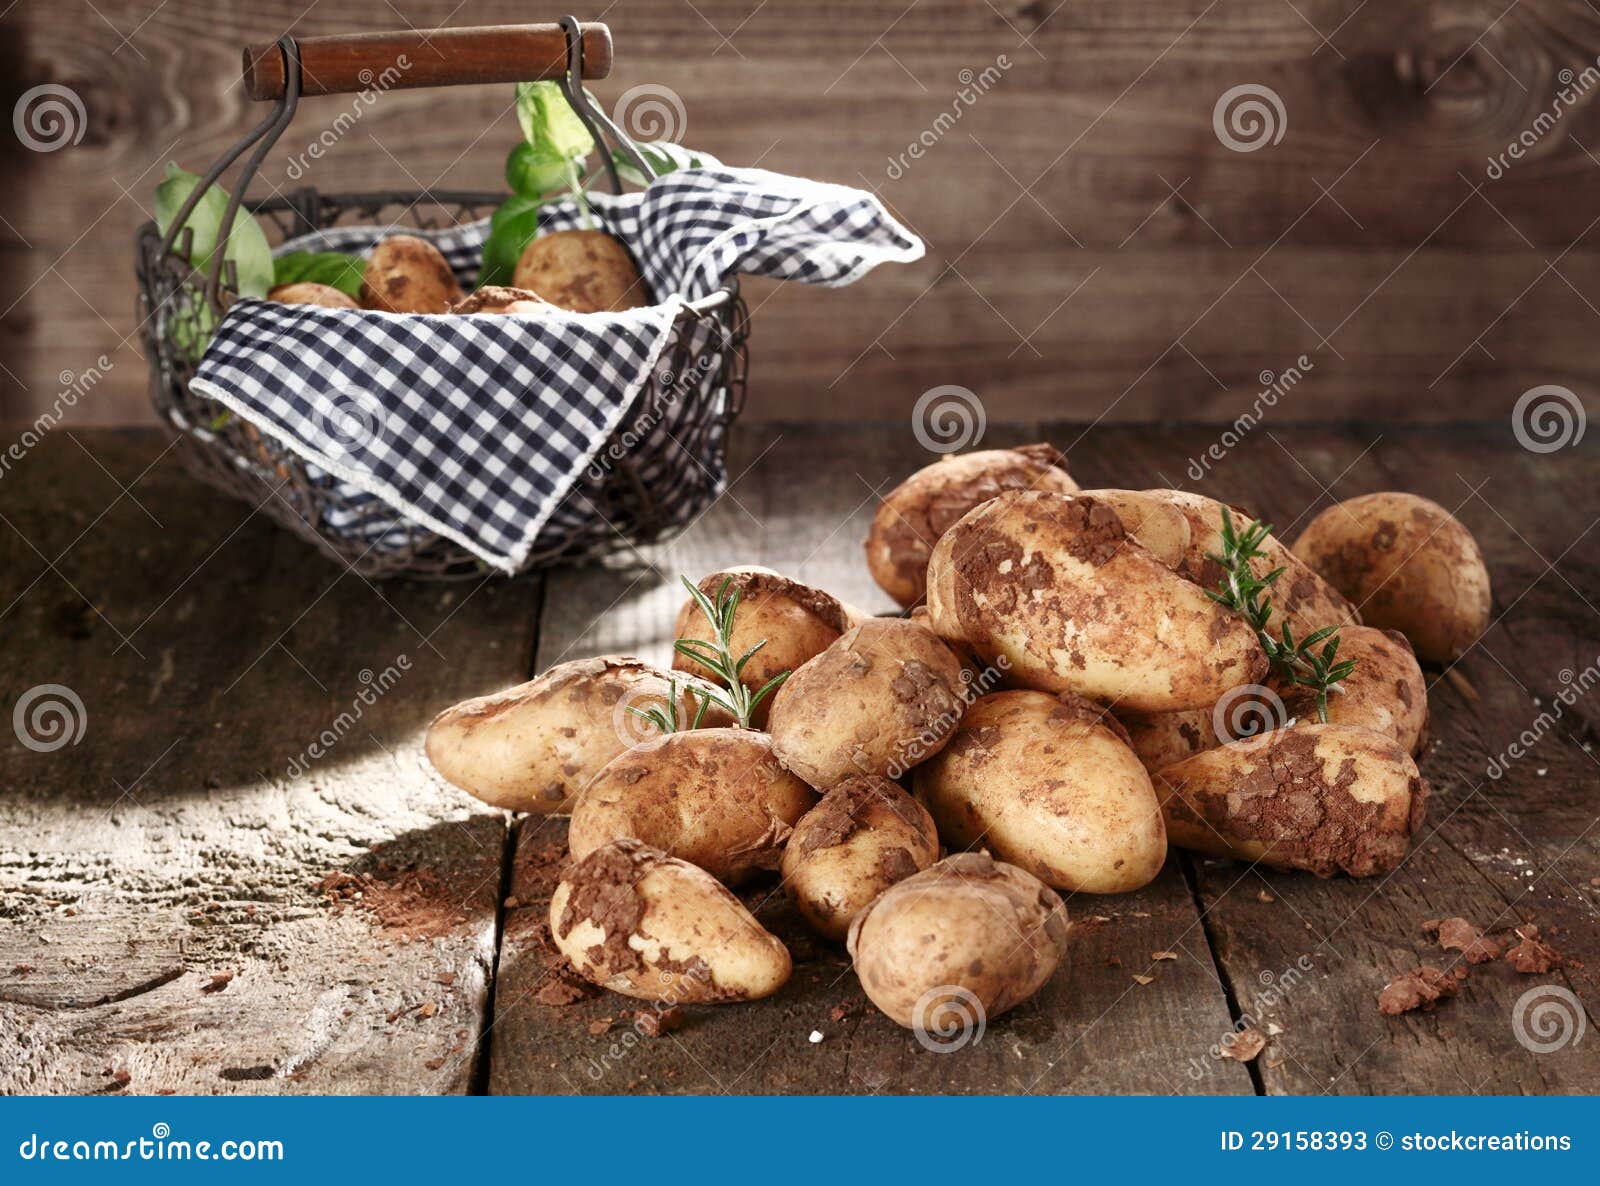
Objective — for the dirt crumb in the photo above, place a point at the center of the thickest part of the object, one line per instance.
(658, 1022)
(1245, 1045)
(1532, 956)
(1420, 989)
(1457, 934)
(564, 987)
(415, 902)
(218, 981)
(600, 1025)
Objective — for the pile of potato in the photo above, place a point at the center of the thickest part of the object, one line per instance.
(581, 271)
(1062, 702)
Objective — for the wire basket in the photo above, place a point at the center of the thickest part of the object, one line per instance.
(654, 481)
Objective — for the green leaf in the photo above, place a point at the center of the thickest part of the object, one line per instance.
(247, 245)
(663, 156)
(549, 124)
(511, 228)
(333, 268)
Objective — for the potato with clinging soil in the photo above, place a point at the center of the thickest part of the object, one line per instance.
(968, 933)
(865, 835)
(309, 293)
(1409, 564)
(1057, 585)
(1385, 692)
(1050, 785)
(885, 696)
(917, 512)
(1163, 738)
(585, 271)
(636, 921)
(534, 747)
(405, 274)
(498, 299)
(1324, 798)
(714, 797)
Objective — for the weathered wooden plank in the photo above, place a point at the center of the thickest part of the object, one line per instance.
(196, 900)
(1094, 1029)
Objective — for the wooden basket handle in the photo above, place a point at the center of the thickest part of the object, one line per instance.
(355, 62)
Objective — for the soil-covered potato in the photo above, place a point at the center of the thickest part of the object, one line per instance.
(405, 274)
(958, 944)
(1324, 798)
(1056, 585)
(636, 921)
(1163, 738)
(885, 696)
(1154, 521)
(1409, 564)
(582, 271)
(865, 835)
(1386, 691)
(1050, 785)
(534, 747)
(497, 299)
(917, 512)
(716, 798)
(309, 293)
(796, 621)
(1299, 595)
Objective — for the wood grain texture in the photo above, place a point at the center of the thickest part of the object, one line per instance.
(1387, 236)
(169, 922)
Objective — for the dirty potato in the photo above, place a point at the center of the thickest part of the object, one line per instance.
(716, 798)
(308, 293)
(405, 274)
(1409, 564)
(582, 271)
(1162, 738)
(917, 512)
(1154, 521)
(965, 940)
(496, 299)
(794, 621)
(885, 696)
(1386, 691)
(636, 921)
(1324, 798)
(1056, 586)
(534, 746)
(1050, 785)
(865, 835)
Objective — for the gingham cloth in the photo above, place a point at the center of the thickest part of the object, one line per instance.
(477, 428)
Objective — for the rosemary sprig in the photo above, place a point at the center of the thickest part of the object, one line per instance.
(666, 718)
(738, 700)
(1297, 661)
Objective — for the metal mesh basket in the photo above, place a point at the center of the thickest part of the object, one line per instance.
(638, 496)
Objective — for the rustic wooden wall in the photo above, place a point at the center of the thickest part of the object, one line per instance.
(1094, 249)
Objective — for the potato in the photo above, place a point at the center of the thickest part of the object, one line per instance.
(1155, 522)
(863, 837)
(713, 797)
(1409, 564)
(1299, 594)
(1162, 738)
(917, 512)
(796, 621)
(406, 274)
(534, 746)
(1050, 785)
(583, 271)
(1386, 691)
(1055, 585)
(957, 945)
(885, 696)
(1325, 798)
(307, 293)
(636, 921)
(495, 299)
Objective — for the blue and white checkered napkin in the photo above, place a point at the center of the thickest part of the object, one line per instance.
(477, 428)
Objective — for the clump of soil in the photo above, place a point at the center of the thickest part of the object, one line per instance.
(1457, 934)
(1533, 956)
(416, 903)
(1421, 989)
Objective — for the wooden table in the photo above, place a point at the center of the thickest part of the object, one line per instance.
(242, 877)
